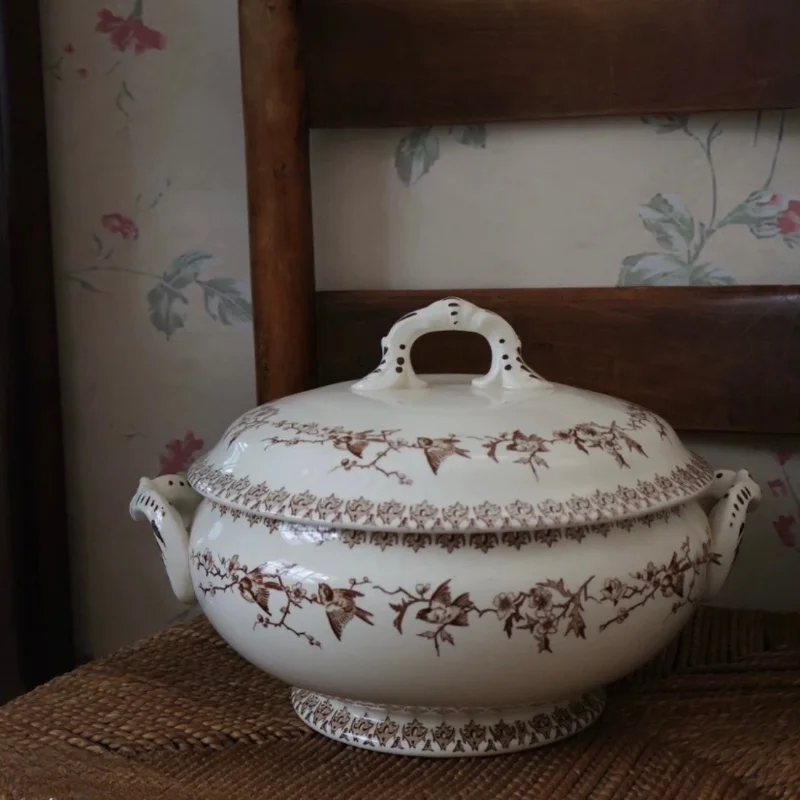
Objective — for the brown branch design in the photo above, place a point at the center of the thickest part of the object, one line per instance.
(547, 609)
(386, 446)
(676, 579)
(542, 610)
(261, 586)
(354, 443)
(639, 418)
(613, 439)
(252, 419)
(439, 610)
(258, 586)
(609, 439)
(368, 449)
(529, 446)
(550, 608)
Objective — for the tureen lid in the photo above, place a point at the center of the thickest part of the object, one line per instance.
(397, 451)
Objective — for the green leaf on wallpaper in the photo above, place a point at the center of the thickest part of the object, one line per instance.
(667, 123)
(416, 153)
(758, 211)
(714, 132)
(710, 275)
(167, 309)
(186, 268)
(470, 135)
(668, 219)
(757, 131)
(226, 300)
(653, 269)
(765, 228)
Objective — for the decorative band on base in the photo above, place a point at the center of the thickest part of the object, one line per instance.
(446, 732)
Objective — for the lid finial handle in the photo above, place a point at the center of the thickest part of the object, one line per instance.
(508, 370)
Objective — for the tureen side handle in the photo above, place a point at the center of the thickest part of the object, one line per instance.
(169, 504)
(736, 494)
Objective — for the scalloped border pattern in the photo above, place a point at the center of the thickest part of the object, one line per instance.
(626, 501)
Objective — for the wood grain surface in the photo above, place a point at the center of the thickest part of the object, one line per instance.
(707, 359)
(424, 62)
(36, 626)
(279, 197)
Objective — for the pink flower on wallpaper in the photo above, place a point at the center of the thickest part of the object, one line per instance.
(774, 200)
(179, 454)
(789, 219)
(82, 72)
(124, 32)
(783, 487)
(69, 48)
(783, 527)
(121, 225)
(778, 215)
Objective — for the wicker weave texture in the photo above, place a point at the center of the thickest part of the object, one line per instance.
(180, 716)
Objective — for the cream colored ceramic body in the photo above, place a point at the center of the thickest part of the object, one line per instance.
(449, 594)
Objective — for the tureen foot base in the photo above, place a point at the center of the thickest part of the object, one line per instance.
(446, 732)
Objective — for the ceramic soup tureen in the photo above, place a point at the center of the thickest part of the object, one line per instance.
(453, 565)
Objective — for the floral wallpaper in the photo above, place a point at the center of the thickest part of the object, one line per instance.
(681, 236)
(785, 488)
(150, 227)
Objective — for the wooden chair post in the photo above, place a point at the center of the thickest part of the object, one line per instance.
(279, 195)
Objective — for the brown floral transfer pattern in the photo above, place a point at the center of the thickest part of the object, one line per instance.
(267, 589)
(599, 506)
(380, 443)
(675, 580)
(483, 542)
(369, 449)
(439, 609)
(252, 419)
(551, 608)
(336, 720)
(547, 609)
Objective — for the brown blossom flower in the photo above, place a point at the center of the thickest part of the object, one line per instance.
(504, 605)
(613, 590)
(541, 600)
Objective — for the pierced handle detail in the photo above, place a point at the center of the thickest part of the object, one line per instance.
(508, 370)
(168, 503)
(737, 494)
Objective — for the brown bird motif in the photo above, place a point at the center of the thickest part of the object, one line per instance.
(354, 443)
(438, 450)
(340, 606)
(254, 590)
(443, 610)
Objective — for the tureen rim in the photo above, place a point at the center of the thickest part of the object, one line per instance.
(684, 484)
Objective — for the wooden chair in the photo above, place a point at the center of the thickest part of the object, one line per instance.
(730, 360)
(36, 626)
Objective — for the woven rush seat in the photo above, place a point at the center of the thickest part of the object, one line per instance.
(180, 716)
